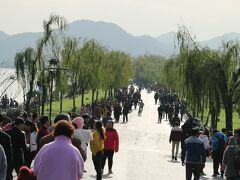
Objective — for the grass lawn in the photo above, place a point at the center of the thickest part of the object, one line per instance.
(68, 103)
(221, 123)
(236, 120)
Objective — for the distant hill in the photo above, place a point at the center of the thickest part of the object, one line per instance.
(215, 42)
(115, 38)
(110, 35)
(3, 35)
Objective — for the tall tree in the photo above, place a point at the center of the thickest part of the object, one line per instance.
(30, 60)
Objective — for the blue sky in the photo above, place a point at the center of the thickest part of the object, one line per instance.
(205, 18)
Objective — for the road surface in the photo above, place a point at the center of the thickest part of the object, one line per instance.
(145, 152)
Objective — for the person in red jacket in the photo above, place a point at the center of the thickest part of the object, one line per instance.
(111, 145)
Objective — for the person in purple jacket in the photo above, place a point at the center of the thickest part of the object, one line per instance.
(59, 160)
(175, 138)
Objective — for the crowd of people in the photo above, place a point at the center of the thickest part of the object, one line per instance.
(59, 150)
(197, 141)
(6, 103)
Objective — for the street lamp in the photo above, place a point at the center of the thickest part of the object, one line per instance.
(52, 70)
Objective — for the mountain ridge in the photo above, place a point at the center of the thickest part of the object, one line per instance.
(110, 35)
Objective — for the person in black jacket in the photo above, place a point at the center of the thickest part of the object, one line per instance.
(19, 146)
(5, 141)
(125, 112)
(117, 111)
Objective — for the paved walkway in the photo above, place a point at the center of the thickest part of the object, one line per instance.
(145, 152)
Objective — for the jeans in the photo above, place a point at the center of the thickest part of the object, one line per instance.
(193, 169)
(97, 161)
(175, 144)
(108, 154)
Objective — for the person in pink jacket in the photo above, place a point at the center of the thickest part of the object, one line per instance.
(59, 160)
(111, 145)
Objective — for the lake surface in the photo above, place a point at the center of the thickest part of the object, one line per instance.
(10, 86)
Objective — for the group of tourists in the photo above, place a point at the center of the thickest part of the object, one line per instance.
(169, 106)
(222, 146)
(198, 142)
(59, 150)
(6, 103)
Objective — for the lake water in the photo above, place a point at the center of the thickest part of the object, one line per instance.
(10, 87)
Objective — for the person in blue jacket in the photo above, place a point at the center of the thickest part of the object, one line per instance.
(193, 155)
(218, 144)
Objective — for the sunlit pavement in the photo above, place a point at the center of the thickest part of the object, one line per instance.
(145, 152)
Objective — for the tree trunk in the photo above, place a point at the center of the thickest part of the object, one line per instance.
(61, 102)
(43, 99)
(74, 102)
(30, 92)
(207, 118)
(228, 114)
(213, 119)
(105, 95)
(93, 93)
(82, 101)
(97, 94)
(109, 93)
(226, 98)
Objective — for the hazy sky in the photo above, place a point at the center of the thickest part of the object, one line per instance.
(206, 18)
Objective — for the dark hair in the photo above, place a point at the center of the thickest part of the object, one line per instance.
(64, 128)
(18, 121)
(84, 116)
(28, 123)
(224, 130)
(215, 131)
(177, 123)
(194, 132)
(43, 120)
(25, 116)
(34, 128)
(98, 127)
(34, 115)
(74, 125)
(60, 117)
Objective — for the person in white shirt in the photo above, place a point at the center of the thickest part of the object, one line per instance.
(204, 138)
(84, 135)
(32, 145)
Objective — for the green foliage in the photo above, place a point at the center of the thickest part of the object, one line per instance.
(148, 68)
(208, 78)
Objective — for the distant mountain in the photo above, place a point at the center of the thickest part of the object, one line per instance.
(3, 35)
(170, 38)
(167, 38)
(216, 42)
(10, 45)
(115, 38)
(110, 35)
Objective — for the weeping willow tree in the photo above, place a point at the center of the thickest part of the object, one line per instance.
(208, 77)
(28, 63)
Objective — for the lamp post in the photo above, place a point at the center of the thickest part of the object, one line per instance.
(52, 70)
